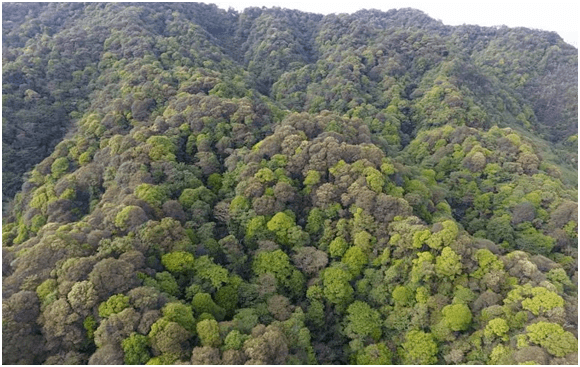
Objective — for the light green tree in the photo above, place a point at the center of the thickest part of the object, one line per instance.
(457, 317)
(542, 300)
(135, 349)
(402, 295)
(355, 259)
(178, 261)
(418, 348)
(209, 333)
(337, 247)
(337, 288)
(423, 268)
(375, 354)
(553, 337)
(363, 321)
(113, 305)
(181, 314)
(445, 236)
(275, 262)
(497, 327)
(448, 264)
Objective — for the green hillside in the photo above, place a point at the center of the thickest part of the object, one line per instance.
(188, 185)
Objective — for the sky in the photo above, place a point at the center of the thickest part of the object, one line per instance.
(560, 16)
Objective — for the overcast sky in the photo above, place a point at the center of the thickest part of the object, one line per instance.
(552, 15)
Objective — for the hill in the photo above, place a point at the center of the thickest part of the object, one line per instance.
(195, 185)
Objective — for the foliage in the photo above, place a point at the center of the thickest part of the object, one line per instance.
(375, 354)
(458, 317)
(113, 305)
(277, 187)
(178, 261)
(362, 321)
(497, 327)
(336, 285)
(208, 332)
(418, 348)
(135, 349)
(552, 337)
(448, 264)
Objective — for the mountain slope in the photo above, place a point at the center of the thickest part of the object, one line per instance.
(278, 187)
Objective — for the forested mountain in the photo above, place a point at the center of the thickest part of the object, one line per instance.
(193, 185)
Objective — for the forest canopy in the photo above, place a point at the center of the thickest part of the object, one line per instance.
(188, 185)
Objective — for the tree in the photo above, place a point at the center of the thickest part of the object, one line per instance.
(423, 267)
(445, 236)
(167, 336)
(275, 262)
(497, 327)
(245, 319)
(234, 340)
(543, 300)
(111, 276)
(178, 261)
(130, 217)
(227, 298)
(165, 282)
(135, 349)
(448, 264)
(82, 297)
(553, 337)
(280, 224)
(375, 354)
(162, 148)
(337, 289)
(363, 321)
(165, 236)
(280, 307)
(205, 356)
(153, 195)
(109, 354)
(310, 260)
(203, 303)
(181, 314)
(268, 347)
(59, 167)
(210, 272)
(337, 247)
(190, 196)
(113, 305)
(418, 348)
(499, 229)
(19, 314)
(355, 259)
(265, 175)
(403, 296)
(374, 179)
(458, 316)
(208, 332)
(501, 354)
(117, 327)
(315, 221)
(487, 262)
(146, 298)
(312, 178)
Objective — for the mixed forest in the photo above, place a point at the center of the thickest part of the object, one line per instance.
(183, 184)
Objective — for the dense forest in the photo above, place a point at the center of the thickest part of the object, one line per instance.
(188, 185)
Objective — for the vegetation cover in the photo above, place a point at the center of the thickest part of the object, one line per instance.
(194, 185)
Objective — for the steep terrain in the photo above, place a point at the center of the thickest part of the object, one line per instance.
(276, 187)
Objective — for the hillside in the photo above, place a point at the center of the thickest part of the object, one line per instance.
(193, 185)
